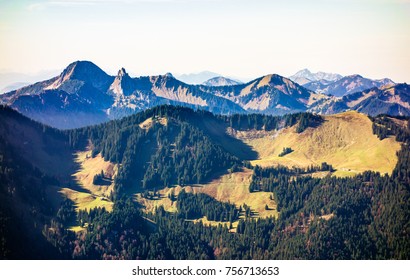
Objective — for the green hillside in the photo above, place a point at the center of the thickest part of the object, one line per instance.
(346, 141)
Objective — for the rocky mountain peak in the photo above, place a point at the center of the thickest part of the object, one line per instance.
(169, 75)
(122, 73)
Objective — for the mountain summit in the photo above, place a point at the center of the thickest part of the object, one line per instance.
(220, 81)
(84, 71)
(122, 84)
(305, 76)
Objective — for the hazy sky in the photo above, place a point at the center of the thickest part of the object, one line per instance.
(232, 37)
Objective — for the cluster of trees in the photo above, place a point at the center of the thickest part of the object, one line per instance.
(285, 151)
(268, 122)
(98, 179)
(66, 213)
(385, 126)
(56, 231)
(267, 179)
(194, 206)
(308, 120)
(185, 156)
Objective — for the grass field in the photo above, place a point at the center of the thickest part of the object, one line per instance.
(234, 188)
(83, 200)
(148, 123)
(91, 166)
(86, 195)
(345, 141)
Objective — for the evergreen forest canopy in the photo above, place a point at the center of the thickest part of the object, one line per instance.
(361, 217)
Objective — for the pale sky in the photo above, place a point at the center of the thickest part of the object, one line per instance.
(232, 37)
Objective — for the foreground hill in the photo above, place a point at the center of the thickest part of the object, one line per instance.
(189, 168)
(29, 179)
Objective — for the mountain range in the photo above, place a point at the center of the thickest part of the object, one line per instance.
(390, 99)
(305, 76)
(336, 84)
(83, 94)
(346, 85)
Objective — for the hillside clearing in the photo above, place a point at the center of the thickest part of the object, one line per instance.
(91, 166)
(86, 201)
(87, 195)
(148, 123)
(346, 141)
(232, 188)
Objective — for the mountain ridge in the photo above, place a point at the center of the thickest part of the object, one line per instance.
(221, 81)
(88, 91)
(393, 100)
(336, 84)
(83, 94)
(305, 76)
(347, 85)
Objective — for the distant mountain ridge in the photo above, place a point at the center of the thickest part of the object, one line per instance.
(220, 81)
(270, 94)
(197, 78)
(304, 76)
(83, 94)
(347, 85)
(336, 84)
(391, 100)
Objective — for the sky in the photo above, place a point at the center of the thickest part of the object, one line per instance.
(236, 38)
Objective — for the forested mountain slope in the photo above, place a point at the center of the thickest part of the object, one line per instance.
(183, 165)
